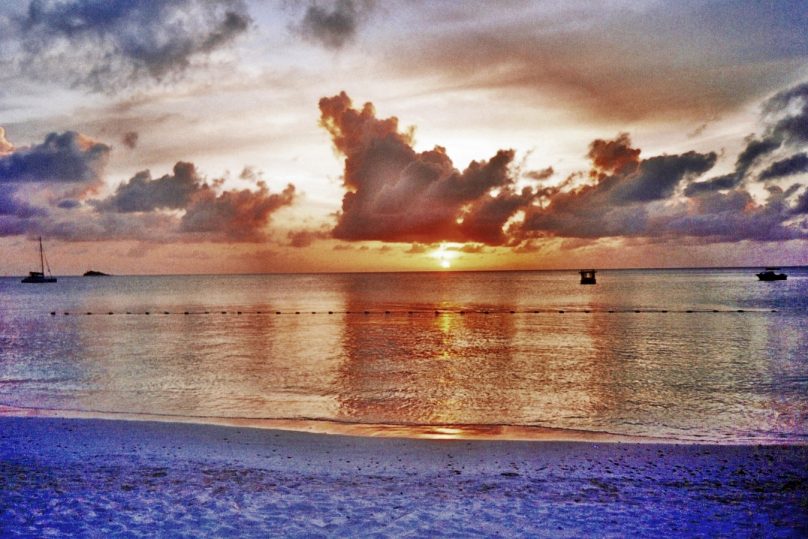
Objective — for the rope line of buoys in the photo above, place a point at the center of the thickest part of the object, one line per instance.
(436, 312)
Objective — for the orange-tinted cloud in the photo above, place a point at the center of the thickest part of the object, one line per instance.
(230, 215)
(396, 194)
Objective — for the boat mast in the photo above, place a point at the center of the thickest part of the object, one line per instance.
(41, 257)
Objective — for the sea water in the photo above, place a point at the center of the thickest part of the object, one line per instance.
(692, 355)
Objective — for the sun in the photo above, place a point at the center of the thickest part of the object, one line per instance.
(445, 254)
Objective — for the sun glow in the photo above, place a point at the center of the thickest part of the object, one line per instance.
(445, 255)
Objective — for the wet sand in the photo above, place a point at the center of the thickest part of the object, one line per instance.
(100, 477)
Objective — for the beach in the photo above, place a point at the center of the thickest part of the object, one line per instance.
(97, 477)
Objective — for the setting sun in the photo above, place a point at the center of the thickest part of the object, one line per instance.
(445, 254)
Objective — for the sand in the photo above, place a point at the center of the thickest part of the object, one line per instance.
(94, 477)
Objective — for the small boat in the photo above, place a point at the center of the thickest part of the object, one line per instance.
(769, 275)
(39, 276)
(588, 276)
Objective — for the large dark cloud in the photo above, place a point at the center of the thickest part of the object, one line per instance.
(394, 193)
(334, 27)
(65, 157)
(106, 44)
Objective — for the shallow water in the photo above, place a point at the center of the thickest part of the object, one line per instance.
(434, 349)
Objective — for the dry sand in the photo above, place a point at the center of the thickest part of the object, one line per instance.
(104, 477)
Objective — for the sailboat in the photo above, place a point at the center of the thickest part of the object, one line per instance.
(39, 276)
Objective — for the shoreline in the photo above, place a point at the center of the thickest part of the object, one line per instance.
(504, 433)
(100, 476)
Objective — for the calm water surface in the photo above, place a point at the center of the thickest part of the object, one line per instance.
(436, 358)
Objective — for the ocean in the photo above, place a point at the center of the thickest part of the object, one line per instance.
(696, 355)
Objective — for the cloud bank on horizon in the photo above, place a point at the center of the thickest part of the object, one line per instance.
(616, 70)
(394, 193)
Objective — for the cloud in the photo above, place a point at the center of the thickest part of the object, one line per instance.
(304, 238)
(130, 139)
(12, 207)
(5, 146)
(612, 156)
(657, 178)
(539, 175)
(683, 60)
(142, 193)
(234, 215)
(792, 104)
(336, 27)
(68, 157)
(229, 215)
(106, 45)
(795, 164)
(801, 207)
(638, 199)
(396, 194)
(786, 128)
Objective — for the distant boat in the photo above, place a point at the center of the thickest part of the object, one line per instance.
(39, 276)
(588, 276)
(769, 275)
(93, 273)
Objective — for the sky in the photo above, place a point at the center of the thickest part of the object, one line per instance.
(238, 136)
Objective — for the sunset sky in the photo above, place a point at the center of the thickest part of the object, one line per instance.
(184, 136)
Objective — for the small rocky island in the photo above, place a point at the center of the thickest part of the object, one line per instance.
(93, 273)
